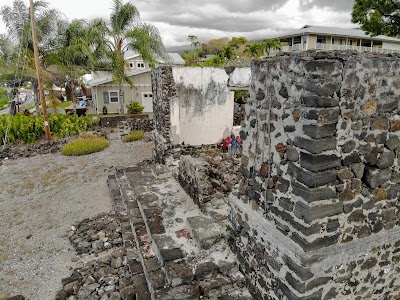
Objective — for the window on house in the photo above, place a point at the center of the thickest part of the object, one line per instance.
(132, 65)
(148, 95)
(113, 96)
(140, 65)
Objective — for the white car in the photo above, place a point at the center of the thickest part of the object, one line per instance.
(23, 97)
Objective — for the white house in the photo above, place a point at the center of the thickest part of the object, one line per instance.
(105, 89)
(312, 37)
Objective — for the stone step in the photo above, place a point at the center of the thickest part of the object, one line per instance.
(183, 252)
(135, 266)
(149, 265)
(204, 231)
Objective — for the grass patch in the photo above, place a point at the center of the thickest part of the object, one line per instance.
(65, 104)
(135, 135)
(85, 145)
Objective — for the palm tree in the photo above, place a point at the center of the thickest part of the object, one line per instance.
(270, 44)
(227, 52)
(123, 32)
(254, 50)
(17, 21)
(77, 46)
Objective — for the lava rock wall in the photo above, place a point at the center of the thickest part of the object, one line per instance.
(317, 213)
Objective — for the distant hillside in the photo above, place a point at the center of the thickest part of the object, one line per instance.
(179, 49)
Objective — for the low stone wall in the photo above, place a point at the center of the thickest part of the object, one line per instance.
(208, 174)
(12, 151)
(112, 121)
(146, 125)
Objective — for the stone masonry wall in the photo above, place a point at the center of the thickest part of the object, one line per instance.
(163, 89)
(193, 106)
(317, 214)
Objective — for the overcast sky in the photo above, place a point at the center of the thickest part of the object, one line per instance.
(208, 19)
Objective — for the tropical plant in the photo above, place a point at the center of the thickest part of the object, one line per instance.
(377, 16)
(270, 44)
(254, 50)
(123, 32)
(227, 52)
(79, 42)
(20, 63)
(135, 108)
(215, 61)
(29, 129)
(236, 42)
(52, 101)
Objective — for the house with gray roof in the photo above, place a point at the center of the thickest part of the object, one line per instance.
(312, 37)
(105, 89)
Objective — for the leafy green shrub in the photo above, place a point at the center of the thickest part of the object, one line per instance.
(85, 145)
(135, 135)
(30, 128)
(4, 102)
(215, 61)
(135, 108)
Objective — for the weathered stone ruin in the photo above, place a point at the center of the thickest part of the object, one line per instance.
(193, 106)
(316, 213)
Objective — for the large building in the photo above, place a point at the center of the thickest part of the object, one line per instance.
(312, 37)
(105, 88)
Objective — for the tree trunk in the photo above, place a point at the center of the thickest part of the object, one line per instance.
(121, 99)
(36, 96)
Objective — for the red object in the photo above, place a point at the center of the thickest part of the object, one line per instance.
(226, 142)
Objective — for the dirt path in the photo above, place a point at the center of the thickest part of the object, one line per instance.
(40, 198)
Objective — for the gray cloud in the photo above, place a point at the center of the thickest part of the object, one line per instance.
(336, 5)
(227, 15)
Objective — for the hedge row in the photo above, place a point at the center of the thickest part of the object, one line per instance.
(29, 129)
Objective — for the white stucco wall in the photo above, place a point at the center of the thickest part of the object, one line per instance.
(240, 78)
(390, 45)
(202, 111)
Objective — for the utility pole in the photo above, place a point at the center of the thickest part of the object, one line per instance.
(39, 79)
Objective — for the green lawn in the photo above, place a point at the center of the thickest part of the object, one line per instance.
(65, 104)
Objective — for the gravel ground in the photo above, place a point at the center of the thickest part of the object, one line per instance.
(40, 198)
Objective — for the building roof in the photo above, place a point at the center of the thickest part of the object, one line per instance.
(173, 59)
(109, 78)
(336, 31)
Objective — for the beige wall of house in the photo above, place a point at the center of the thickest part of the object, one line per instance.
(137, 93)
(312, 41)
(390, 45)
